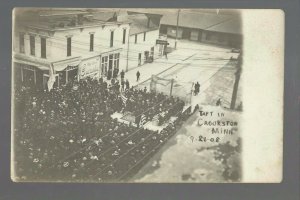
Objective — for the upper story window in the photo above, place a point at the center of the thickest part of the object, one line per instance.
(22, 43)
(144, 36)
(111, 38)
(69, 46)
(32, 45)
(43, 47)
(124, 36)
(135, 38)
(91, 41)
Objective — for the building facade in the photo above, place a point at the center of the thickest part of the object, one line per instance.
(67, 45)
(144, 31)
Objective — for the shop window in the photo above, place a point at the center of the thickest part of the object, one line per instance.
(116, 60)
(32, 45)
(110, 64)
(69, 46)
(104, 63)
(22, 43)
(43, 47)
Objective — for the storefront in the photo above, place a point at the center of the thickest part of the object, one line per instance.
(29, 73)
(90, 67)
(162, 43)
(66, 70)
(110, 65)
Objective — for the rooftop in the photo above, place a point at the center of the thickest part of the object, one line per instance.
(139, 23)
(230, 26)
(55, 20)
(204, 20)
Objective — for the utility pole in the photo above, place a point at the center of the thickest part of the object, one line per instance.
(236, 83)
(177, 29)
(127, 51)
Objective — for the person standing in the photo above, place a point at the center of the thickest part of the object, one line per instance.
(166, 54)
(219, 103)
(198, 88)
(127, 85)
(115, 73)
(109, 74)
(122, 84)
(122, 75)
(166, 51)
(138, 76)
(113, 81)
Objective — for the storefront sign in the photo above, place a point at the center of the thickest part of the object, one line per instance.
(89, 67)
(162, 42)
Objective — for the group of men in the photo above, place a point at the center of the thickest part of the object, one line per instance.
(197, 88)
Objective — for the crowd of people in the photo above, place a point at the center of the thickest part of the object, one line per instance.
(68, 132)
(152, 104)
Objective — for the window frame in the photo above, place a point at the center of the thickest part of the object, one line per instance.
(111, 38)
(92, 39)
(22, 42)
(32, 44)
(104, 64)
(124, 35)
(44, 52)
(69, 46)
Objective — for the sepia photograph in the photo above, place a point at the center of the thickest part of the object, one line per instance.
(130, 95)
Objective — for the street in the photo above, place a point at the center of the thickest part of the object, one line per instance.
(191, 62)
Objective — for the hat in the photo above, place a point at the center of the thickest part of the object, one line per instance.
(66, 164)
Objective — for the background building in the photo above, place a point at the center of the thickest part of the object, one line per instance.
(210, 27)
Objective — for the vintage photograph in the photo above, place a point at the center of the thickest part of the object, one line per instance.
(127, 95)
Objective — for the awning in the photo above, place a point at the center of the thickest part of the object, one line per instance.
(63, 64)
(26, 60)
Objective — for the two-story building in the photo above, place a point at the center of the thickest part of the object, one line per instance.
(67, 44)
(144, 31)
